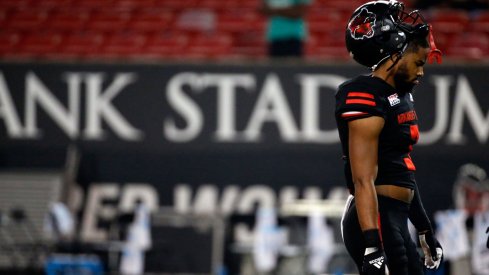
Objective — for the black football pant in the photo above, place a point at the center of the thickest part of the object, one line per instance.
(402, 256)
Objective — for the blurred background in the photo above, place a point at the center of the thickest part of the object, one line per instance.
(198, 136)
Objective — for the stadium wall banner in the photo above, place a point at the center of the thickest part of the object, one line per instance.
(219, 138)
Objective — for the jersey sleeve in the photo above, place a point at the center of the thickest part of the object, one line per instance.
(354, 103)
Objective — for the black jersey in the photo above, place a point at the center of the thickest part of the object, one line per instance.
(366, 96)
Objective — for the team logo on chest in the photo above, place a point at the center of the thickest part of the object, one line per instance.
(393, 99)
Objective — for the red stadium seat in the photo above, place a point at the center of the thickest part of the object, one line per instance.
(67, 20)
(326, 47)
(240, 21)
(123, 45)
(480, 22)
(80, 45)
(243, 4)
(209, 46)
(340, 4)
(442, 41)
(52, 4)
(150, 21)
(249, 44)
(230, 5)
(448, 24)
(165, 45)
(26, 20)
(326, 21)
(8, 42)
(212, 4)
(449, 21)
(3, 19)
(471, 46)
(108, 21)
(197, 29)
(345, 7)
(95, 4)
(39, 45)
(136, 4)
(14, 4)
(179, 4)
(195, 21)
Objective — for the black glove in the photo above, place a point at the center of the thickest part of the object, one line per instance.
(433, 252)
(374, 259)
(487, 231)
(374, 262)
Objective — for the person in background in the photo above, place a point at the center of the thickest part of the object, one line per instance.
(286, 30)
(378, 128)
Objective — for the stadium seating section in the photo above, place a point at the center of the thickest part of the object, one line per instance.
(196, 29)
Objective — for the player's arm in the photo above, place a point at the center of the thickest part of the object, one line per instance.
(432, 249)
(417, 213)
(363, 146)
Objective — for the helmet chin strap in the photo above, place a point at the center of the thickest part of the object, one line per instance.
(395, 61)
(400, 54)
(374, 67)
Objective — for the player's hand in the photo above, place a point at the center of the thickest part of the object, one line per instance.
(433, 252)
(374, 262)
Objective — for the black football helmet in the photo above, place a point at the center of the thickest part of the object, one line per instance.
(379, 29)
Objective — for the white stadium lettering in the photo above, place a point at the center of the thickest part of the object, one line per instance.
(92, 95)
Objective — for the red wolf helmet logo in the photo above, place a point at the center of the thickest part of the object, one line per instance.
(361, 26)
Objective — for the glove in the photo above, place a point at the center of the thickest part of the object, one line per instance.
(433, 252)
(374, 259)
(374, 262)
